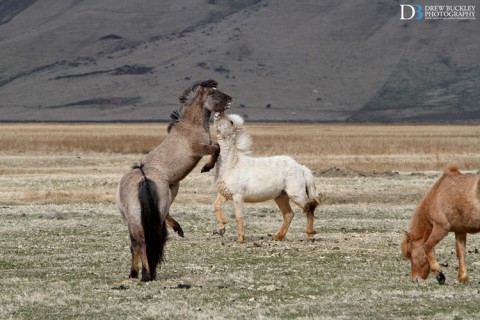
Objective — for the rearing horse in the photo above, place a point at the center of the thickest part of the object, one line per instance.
(146, 192)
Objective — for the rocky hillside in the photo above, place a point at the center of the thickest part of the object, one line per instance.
(349, 60)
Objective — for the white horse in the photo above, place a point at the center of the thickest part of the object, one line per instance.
(243, 178)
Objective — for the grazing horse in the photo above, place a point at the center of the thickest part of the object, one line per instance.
(146, 192)
(451, 205)
(243, 178)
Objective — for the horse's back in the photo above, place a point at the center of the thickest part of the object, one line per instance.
(263, 178)
(454, 201)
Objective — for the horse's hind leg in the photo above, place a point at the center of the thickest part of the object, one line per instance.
(139, 254)
(310, 212)
(219, 212)
(134, 249)
(146, 274)
(284, 206)
(460, 246)
(238, 202)
(308, 206)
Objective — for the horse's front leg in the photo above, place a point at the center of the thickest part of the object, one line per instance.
(219, 212)
(438, 233)
(170, 221)
(460, 246)
(213, 150)
(238, 202)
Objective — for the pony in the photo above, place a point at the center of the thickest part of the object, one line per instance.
(146, 192)
(451, 205)
(242, 178)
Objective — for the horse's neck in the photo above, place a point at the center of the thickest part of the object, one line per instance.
(228, 154)
(417, 228)
(197, 116)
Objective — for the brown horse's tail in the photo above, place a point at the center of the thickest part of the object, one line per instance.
(155, 230)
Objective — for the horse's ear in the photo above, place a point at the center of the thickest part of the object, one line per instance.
(209, 84)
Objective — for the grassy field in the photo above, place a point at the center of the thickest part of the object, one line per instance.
(64, 250)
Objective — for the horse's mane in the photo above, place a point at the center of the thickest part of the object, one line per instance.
(186, 100)
(243, 140)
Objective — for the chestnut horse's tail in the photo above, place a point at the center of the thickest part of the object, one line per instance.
(155, 230)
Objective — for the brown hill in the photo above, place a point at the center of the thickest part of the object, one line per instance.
(351, 60)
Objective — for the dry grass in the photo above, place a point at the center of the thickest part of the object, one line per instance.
(372, 147)
(71, 138)
(366, 147)
(65, 250)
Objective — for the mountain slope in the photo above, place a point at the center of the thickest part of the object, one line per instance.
(306, 60)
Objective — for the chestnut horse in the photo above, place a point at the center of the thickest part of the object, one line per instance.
(146, 192)
(451, 205)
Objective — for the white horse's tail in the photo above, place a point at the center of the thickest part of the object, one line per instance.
(312, 193)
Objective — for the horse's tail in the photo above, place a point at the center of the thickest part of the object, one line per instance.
(313, 196)
(154, 229)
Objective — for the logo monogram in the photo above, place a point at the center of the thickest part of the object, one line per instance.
(412, 10)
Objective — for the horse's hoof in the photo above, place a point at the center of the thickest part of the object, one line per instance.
(440, 278)
(178, 230)
(146, 278)
(221, 231)
(133, 274)
(205, 169)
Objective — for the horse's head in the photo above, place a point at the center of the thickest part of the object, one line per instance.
(230, 128)
(413, 250)
(227, 126)
(207, 96)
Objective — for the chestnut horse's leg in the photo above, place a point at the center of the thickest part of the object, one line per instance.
(283, 204)
(438, 233)
(460, 246)
(218, 211)
(238, 202)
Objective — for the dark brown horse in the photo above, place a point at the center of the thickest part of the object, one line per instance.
(451, 205)
(146, 192)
